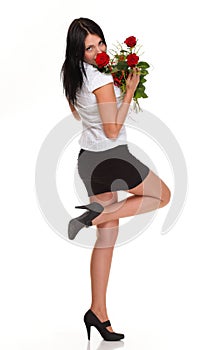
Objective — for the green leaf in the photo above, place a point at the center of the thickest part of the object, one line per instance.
(140, 88)
(142, 80)
(122, 65)
(144, 72)
(143, 65)
(138, 94)
(114, 70)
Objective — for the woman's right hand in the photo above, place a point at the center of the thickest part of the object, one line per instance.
(132, 81)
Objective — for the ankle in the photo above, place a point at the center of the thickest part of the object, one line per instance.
(98, 220)
(100, 312)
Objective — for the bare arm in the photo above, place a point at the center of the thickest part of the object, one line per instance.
(112, 117)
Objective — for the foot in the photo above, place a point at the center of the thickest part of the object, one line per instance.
(102, 317)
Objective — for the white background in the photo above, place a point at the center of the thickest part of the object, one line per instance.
(165, 292)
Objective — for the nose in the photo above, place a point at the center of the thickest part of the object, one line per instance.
(98, 50)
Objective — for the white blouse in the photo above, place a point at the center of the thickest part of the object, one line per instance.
(93, 137)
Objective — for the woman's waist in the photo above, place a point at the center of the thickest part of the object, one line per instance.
(97, 145)
(95, 130)
(120, 148)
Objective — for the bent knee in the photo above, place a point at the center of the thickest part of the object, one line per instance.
(165, 195)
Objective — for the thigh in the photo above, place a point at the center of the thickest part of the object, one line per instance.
(151, 186)
(104, 199)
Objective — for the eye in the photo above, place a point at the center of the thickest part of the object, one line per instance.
(101, 43)
(89, 48)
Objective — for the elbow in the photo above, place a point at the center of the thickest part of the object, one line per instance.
(112, 136)
(111, 132)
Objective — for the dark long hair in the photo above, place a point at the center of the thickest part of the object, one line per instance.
(73, 69)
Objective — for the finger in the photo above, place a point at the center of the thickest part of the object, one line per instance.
(137, 70)
(129, 77)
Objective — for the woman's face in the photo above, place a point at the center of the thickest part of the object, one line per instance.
(93, 46)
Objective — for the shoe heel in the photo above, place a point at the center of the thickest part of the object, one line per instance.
(88, 328)
(94, 206)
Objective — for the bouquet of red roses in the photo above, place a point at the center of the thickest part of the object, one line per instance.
(121, 64)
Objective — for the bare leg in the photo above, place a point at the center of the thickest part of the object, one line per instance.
(102, 257)
(151, 194)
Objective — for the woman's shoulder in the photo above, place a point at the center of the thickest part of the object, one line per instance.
(92, 70)
(89, 67)
(95, 78)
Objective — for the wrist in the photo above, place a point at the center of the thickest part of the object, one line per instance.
(128, 97)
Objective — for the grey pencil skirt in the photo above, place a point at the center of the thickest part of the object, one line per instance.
(115, 169)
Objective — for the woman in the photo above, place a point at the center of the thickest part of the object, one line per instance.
(104, 162)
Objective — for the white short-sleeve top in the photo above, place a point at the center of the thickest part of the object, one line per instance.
(93, 137)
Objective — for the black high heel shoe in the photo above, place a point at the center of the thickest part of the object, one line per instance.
(91, 319)
(84, 220)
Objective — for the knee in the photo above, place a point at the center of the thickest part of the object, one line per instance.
(166, 195)
(107, 233)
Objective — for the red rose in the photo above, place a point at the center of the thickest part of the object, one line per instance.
(132, 59)
(131, 41)
(117, 79)
(102, 59)
(117, 82)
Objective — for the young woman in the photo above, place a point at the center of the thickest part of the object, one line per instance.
(104, 162)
